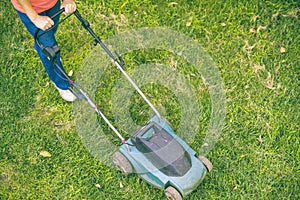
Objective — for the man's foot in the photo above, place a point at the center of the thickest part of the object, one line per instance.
(66, 95)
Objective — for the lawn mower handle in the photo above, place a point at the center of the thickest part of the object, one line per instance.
(86, 25)
(51, 52)
(58, 13)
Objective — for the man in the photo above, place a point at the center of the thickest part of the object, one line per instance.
(36, 14)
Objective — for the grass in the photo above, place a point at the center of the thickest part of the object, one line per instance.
(256, 47)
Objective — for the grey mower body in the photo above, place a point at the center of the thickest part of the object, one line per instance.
(162, 159)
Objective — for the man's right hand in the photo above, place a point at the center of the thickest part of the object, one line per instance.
(42, 22)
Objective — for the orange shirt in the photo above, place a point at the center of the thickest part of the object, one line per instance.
(38, 5)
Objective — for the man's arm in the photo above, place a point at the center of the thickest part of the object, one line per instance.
(42, 22)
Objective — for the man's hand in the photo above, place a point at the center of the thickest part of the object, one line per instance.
(69, 6)
(42, 22)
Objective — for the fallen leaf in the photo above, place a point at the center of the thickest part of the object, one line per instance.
(121, 185)
(260, 139)
(253, 19)
(261, 28)
(45, 154)
(282, 50)
(275, 15)
(188, 24)
(235, 187)
(97, 186)
(205, 145)
(223, 24)
(252, 30)
(173, 3)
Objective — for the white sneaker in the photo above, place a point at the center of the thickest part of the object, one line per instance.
(66, 95)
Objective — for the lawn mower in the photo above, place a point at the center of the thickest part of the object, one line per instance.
(154, 151)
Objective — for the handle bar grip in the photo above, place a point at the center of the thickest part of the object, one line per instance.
(58, 13)
(52, 17)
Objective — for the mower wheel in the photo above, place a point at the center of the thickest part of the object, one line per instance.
(172, 194)
(122, 163)
(206, 162)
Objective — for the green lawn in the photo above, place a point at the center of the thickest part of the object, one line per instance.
(256, 48)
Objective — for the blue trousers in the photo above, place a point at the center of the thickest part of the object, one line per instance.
(48, 39)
